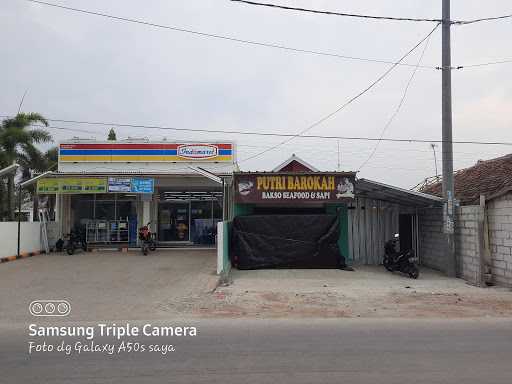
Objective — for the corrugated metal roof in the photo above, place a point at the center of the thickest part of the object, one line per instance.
(380, 191)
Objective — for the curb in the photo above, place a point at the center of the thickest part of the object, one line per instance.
(21, 256)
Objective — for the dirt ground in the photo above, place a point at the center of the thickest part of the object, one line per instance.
(181, 284)
(369, 292)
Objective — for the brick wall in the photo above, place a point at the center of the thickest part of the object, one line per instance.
(499, 213)
(431, 238)
(432, 241)
(467, 246)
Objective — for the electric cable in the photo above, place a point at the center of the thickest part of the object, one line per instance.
(332, 13)
(350, 101)
(227, 38)
(371, 17)
(267, 134)
(399, 107)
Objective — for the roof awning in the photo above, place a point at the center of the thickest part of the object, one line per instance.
(380, 191)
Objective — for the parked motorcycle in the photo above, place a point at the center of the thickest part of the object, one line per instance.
(76, 240)
(147, 240)
(402, 261)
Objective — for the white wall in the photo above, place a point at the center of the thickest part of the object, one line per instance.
(30, 238)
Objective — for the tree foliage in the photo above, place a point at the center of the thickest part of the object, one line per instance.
(18, 143)
(112, 135)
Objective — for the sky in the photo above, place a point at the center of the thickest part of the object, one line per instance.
(80, 67)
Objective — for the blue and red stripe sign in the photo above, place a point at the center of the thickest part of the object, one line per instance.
(146, 152)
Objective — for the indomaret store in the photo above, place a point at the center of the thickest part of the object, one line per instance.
(109, 189)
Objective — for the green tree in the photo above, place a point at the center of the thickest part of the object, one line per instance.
(112, 135)
(38, 162)
(18, 139)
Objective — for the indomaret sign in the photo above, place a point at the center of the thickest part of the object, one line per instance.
(286, 187)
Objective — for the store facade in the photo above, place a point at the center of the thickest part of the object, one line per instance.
(296, 216)
(108, 190)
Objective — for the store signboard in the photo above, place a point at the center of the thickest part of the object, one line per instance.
(146, 152)
(294, 188)
(72, 185)
(142, 185)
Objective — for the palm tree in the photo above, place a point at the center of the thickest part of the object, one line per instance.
(38, 162)
(17, 143)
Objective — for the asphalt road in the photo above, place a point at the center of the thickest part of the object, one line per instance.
(281, 351)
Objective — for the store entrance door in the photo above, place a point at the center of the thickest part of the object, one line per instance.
(174, 222)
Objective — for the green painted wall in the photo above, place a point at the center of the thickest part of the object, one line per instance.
(226, 261)
(243, 210)
(332, 209)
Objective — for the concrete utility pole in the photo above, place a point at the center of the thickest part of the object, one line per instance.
(448, 184)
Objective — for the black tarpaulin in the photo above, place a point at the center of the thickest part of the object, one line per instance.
(285, 241)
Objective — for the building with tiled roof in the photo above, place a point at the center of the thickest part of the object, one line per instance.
(486, 177)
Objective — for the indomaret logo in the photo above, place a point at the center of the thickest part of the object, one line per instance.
(197, 151)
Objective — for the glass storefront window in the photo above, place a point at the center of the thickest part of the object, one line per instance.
(173, 221)
(83, 210)
(217, 209)
(114, 214)
(105, 210)
(201, 222)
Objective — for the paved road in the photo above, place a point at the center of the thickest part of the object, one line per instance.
(107, 285)
(285, 351)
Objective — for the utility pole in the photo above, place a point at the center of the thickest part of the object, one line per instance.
(448, 184)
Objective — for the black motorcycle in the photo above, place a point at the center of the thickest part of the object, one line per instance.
(147, 239)
(76, 240)
(401, 261)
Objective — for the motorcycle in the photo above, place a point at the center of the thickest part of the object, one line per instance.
(76, 239)
(147, 239)
(402, 261)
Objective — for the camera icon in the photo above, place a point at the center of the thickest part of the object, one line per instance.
(50, 308)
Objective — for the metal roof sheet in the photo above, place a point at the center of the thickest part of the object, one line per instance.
(380, 191)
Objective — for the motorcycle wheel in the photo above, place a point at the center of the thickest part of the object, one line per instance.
(387, 264)
(414, 272)
(70, 250)
(152, 246)
(144, 249)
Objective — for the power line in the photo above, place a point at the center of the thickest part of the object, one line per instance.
(350, 101)
(372, 17)
(503, 61)
(332, 13)
(227, 38)
(271, 134)
(482, 19)
(399, 107)
(268, 134)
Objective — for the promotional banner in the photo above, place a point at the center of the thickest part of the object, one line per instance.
(48, 186)
(289, 188)
(96, 185)
(72, 185)
(116, 184)
(142, 185)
